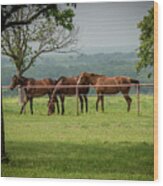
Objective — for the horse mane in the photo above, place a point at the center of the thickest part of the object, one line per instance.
(93, 74)
(61, 78)
(23, 78)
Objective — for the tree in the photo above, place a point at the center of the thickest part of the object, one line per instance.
(17, 34)
(40, 9)
(146, 48)
(23, 44)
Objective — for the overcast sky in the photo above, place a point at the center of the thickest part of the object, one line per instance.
(110, 27)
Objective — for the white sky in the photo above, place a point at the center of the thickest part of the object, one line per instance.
(110, 26)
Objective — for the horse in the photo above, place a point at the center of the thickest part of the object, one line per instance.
(68, 91)
(30, 92)
(96, 79)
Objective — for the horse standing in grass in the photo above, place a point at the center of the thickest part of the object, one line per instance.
(30, 92)
(95, 79)
(68, 91)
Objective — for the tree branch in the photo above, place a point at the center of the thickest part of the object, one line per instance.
(30, 19)
(48, 35)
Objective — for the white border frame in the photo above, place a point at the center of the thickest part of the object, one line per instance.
(85, 182)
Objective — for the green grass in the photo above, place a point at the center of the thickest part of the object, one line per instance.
(110, 145)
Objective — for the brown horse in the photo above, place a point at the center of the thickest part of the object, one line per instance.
(68, 91)
(30, 93)
(95, 79)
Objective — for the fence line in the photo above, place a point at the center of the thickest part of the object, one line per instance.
(81, 86)
(77, 87)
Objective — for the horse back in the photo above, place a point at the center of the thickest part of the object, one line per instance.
(117, 80)
(42, 87)
(68, 81)
(43, 82)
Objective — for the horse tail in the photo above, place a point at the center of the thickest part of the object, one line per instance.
(135, 81)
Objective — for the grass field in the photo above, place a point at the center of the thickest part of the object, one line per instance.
(110, 145)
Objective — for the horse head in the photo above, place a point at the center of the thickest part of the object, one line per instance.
(15, 81)
(51, 106)
(86, 78)
(83, 79)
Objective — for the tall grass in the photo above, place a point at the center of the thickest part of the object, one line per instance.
(110, 145)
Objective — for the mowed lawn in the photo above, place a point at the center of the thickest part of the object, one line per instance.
(110, 145)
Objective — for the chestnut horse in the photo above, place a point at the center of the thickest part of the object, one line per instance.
(30, 93)
(68, 91)
(96, 79)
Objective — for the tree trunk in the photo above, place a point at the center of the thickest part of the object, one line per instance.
(3, 150)
(21, 96)
(21, 93)
(2, 133)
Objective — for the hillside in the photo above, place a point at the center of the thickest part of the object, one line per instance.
(54, 66)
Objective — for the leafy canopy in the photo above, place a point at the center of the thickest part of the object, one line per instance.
(46, 10)
(50, 31)
(146, 48)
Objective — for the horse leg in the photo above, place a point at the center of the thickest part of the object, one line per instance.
(86, 103)
(102, 103)
(23, 106)
(98, 99)
(81, 103)
(50, 101)
(128, 100)
(31, 105)
(57, 102)
(62, 104)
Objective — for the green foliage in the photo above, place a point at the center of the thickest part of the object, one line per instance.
(63, 18)
(45, 10)
(52, 30)
(146, 49)
(93, 145)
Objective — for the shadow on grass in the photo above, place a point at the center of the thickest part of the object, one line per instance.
(123, 160)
